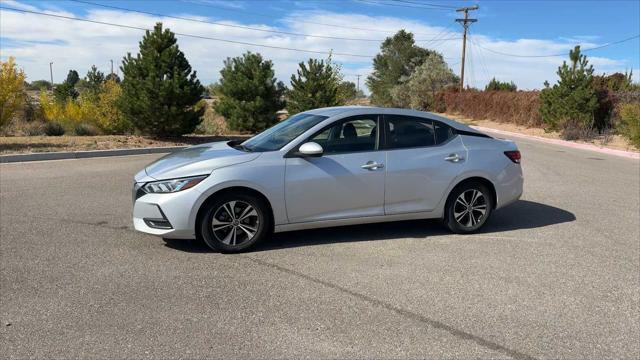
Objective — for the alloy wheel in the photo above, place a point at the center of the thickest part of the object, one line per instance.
(235, 222)
(470, 208)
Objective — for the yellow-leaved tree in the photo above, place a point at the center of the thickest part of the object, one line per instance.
(110, 119)
(12, 94)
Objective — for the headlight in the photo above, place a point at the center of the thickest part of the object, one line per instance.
(171, 186)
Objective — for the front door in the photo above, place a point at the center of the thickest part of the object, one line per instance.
(346, 181)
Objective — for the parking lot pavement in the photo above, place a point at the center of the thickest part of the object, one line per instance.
(556, 275)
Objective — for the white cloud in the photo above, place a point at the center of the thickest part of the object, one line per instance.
(36, 40)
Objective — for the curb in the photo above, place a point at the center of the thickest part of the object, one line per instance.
(86, 154)
(574, 145)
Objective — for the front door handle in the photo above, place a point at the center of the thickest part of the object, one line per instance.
(372, 165)
(454, 158)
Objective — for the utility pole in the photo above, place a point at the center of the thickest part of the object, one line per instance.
(112, 67)
(358, 86)
(465, 24)
(51, 73)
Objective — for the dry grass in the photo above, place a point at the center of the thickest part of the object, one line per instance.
(33, 144)
(605, 140)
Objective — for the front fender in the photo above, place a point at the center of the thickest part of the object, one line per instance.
(266, 177)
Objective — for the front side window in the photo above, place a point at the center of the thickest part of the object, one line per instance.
(354, 134)
(279, 135)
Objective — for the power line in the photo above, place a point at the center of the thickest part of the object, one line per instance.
(481, 58)
(187, 35)
(403, 5)
(385, 31)
(426, 4)
(559, 54)
(232, 25)
(437, 42)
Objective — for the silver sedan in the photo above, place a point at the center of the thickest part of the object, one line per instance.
(328, 167)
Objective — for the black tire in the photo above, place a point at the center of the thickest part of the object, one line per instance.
(219, 239)
(465, 224)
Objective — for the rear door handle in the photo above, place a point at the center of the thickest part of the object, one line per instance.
(372, 165)
(454, 158)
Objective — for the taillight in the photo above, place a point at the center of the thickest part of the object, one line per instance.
(513, 156)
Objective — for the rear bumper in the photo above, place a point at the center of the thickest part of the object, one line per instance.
(166, 215)
(509, 185)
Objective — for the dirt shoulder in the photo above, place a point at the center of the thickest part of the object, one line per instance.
(615, 142)
(38, 144)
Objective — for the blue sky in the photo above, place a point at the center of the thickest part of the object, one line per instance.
(514, 27)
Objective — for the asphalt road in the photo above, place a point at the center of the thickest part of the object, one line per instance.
(556, 275)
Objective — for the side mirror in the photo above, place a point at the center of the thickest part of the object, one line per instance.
(311, 149)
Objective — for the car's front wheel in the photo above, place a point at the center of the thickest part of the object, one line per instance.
(234, 222)
(468, 208)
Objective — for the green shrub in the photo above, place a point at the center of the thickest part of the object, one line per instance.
(53, 128)
(420, 89)
(85, 130)
(630, 123)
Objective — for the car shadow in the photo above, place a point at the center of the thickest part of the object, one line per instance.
(523, 214)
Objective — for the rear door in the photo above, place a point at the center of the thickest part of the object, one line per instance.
(344, 182)
(423, 158)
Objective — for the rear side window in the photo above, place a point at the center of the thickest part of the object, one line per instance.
(443, 132)
(408, 132)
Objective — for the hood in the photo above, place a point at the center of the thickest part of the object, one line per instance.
(197, 160)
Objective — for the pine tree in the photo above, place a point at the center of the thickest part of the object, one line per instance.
(398, 58)
(497, 85)
(160, 90)
(113, 77)
(347, 91)
(316, 85)
(249, 95)
(93, 80)
(67, 89)
(569, 104)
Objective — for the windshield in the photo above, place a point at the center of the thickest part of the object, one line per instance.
(279, 135)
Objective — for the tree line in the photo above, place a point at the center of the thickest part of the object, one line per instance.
(160, 93)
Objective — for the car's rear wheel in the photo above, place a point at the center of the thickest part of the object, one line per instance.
(234, 222)
(468, 208)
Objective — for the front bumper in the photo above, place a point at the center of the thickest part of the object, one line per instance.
(166, 215)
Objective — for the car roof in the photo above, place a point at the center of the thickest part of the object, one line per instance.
(343, 111)
(335, 110)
